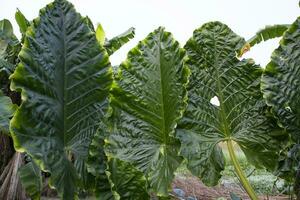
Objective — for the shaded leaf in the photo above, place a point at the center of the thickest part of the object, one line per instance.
(9, 44)
(7, 110)
(129, 183)
(115, 179)
(31, 179)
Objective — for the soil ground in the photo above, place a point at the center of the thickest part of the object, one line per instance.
(193, 187)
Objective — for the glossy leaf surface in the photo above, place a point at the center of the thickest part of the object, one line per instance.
(148, 98)
(64, 76)
(281, 82)
(225, 103)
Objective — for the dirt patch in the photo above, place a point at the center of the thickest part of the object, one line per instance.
(193, 187)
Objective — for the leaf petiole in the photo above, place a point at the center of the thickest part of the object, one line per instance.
(240, 172)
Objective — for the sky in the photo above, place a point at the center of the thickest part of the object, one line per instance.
(180, 17)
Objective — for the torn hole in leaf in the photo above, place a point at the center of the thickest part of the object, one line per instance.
(215, 101)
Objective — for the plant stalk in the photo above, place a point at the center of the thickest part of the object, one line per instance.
(240, 172)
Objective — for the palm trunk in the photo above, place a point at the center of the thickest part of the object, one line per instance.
(11, 188)
(6, 151)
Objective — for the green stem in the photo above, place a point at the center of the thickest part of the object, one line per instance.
(240, 172)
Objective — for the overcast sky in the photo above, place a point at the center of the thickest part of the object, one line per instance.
(180, 17)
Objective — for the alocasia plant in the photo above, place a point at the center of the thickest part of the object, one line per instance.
(64, 76)
(241, 116)
(281, 86)
(148, 98)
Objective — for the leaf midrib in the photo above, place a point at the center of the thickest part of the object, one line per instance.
(64, 73)
(165, 137)
(219, 90)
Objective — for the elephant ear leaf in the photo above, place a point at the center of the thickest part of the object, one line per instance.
(281, 82)
(7, 109)
(116, 42)
(22, 21)
(127, 181)
(100, 34)
(7, 33)
(9, 44)
(97, 165)
(281, 87)
(115, 179)
(31, 179)
(225, 105)
(267, 33)
(148, 98)
(65, 77)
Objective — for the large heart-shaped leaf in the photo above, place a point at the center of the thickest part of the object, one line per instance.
(225, 105)
(281, 88)
(281, 81)
(64, 76)
(148, 98)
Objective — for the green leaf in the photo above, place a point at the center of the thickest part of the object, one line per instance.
(281, 83)
(129, 183)
(267, 33)
(65, 77)
(7, 110)
(148, 98)
(117, 42)
(89, 23)
(97, 164)
(22, 21)
(7, 39)
(100, 34)
(6, 29)
(6, 67)
(241, 114)
(31, 179)
(115, 179)
(7, 33)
